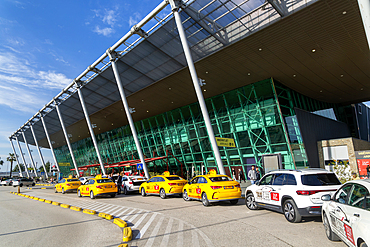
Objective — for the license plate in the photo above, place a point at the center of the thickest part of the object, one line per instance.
(228, 187)
(110, 186)
(139, 179)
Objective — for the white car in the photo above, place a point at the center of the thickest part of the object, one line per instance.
(296, 193)
(23, 181)
(131, 183)
(7, 182)
(346, 214)
(83, 180)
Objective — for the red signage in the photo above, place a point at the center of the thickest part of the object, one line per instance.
(198, 191)
(156, 187)
(349, 233)
(274, 196)
(362, 164)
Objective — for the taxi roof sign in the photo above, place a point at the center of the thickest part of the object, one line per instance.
(166, 173)
(98, 176)
(212, 172)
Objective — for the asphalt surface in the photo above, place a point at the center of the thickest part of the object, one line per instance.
(169, 222)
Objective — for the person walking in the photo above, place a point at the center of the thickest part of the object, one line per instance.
(252, 175)
(119, 183)
(258, 174)
(241, 176)
(233, 175)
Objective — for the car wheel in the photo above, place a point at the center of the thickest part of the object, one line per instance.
(125, 191)
(291, 212)
(33, 184)
(185, 196)
(329, 233)
(162, 194)
(92, 196)
(21, 185)
(363, 244)
(63, 191)
(205, 200)
(250, 202)
(234, 202)
(143, 192)
(79, 193)
(113, 195)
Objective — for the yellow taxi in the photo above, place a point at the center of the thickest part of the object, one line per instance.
(164, 185)
(97, 186)
(212, 188)
(67, 185)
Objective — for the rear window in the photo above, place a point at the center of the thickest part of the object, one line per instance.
(220, 179)
(323, 179)
(101, 181)
(174, 178)
(73, 180)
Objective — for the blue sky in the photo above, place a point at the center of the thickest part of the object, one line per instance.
(44, 45)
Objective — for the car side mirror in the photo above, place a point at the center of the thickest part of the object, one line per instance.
(257, 183)
(326, 197)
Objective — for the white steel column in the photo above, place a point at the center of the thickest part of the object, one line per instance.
(127, 110)
(16, 158)
(90, 128)
(50, 144)
(38, 149)
(29, 153)
(24, 161)
(67, 139)
(198, 90)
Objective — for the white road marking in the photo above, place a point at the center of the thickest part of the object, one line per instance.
(135, 215)
(140, 220)
(180, 236)
(143, 230)
(194, 236)
(115, 213)
(166, 236)
(130, 213)
(150, 241)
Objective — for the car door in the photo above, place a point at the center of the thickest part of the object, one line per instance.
(357, 215)
(264, 189)
(158, 184)
(277, 187)
(149, 187)
(59, 186)
(202, 184)
(193, 187)
(337, 216)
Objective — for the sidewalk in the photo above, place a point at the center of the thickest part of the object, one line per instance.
(243, 186)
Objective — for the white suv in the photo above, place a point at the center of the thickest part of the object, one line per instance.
(296, 193)
(131, 183)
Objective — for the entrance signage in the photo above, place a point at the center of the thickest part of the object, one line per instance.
(225, 142)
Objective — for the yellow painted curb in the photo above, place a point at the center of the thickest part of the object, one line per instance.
(31, 197)
(123, 245)
(36, 198)
(30, 188)
(56, 203)
(101, 215)
(48, 201)
(89, 211)
(27, 196)
(41, 200)
(119, 222)
(109, 217)
(43, 188)
(127, 234)
(64, 205)
(76, 208)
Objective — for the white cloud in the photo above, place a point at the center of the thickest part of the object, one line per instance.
(48, 42)
(134, 19)
(103, 31)
(109, 17)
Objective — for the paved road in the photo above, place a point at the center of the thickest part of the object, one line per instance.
(174, 222)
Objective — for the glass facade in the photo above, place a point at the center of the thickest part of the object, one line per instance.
(259, 117)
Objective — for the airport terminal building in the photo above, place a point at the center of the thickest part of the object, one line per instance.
(217, 84)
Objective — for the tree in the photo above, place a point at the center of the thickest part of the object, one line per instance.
(1, 162)
(47, 166)
(16, 169)
(11, 159)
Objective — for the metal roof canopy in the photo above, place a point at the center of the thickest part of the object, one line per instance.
(219, 33)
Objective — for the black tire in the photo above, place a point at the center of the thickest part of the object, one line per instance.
(113, 195)
(185, 196)
(363, 244)
(162, 193)
(291, 211)
(55, 190)
(328, 232)
(205, 200)
(250, 202)
(79, 193)
(63, 192)
(33, 184)
(143, 193)
(21, 185)
(125, 190)
(92, 196)
(234, 202)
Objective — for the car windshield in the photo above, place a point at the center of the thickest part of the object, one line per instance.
(220, 179)
(322, 179)
(73, 180)
(174, 178)
(101, 181)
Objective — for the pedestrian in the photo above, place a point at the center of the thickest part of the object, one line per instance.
(241, 176)
(252, 175)
(119, 183)
(368, 171)
(233, 174)
(258, 174)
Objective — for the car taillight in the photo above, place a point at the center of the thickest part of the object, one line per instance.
(98, 187)
(68, 184)
(130, 182)
(216, 187)
(310, 192)
(171, 184)
(237, 186)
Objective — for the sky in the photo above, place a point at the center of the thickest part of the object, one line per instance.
(44, 45)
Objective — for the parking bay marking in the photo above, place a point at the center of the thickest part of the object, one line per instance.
(143, 230)
(150, 241)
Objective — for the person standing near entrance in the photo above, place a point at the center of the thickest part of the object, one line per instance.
(252, 175)
(241, 176)
(119, 183)
(258, 174)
